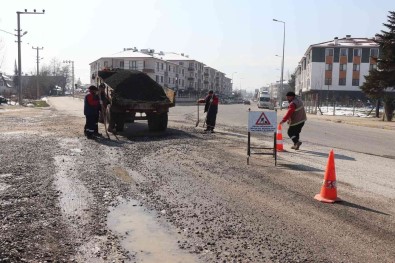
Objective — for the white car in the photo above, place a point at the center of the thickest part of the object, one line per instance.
(285, 104)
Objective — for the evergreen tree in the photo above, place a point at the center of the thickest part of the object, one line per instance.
(380, 83)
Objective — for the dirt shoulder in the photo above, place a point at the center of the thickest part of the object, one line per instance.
(357, 121)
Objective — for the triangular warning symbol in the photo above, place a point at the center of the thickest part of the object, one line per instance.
(262, 120)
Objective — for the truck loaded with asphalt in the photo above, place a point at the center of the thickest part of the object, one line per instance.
(133, 95)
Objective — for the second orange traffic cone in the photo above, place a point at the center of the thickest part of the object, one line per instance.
(328, 192)
(279, 139)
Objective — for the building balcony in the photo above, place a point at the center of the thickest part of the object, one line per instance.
(166, 73)
(148, 70)
(191, 78)
(206, 81)
(191, 69)
(206, 74)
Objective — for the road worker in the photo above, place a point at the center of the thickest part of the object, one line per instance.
(296, 117)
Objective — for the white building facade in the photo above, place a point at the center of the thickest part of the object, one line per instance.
(336, 68)
(172, 70)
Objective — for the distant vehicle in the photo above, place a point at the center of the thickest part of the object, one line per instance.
(247, 102)
(264, 101)
(3, 100)
(285, 104)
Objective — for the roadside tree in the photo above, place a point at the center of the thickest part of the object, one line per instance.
(380, 83)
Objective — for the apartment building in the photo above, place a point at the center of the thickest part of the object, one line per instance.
(336, 68)
(176, 71)
(163, 72)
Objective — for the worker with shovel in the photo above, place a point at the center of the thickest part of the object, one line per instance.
(91, 112)
(211, 107)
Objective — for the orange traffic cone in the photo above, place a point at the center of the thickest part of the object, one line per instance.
(279, 139)
(328, 190)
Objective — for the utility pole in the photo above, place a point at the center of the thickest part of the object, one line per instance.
(38, 62)
(19, 48)
(72, 72)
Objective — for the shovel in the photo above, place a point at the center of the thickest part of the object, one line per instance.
(198, 119)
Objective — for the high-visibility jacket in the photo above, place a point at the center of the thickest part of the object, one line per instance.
(296, 113)
(91, 104)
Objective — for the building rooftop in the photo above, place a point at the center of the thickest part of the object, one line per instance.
(173, 56)
(347, 41)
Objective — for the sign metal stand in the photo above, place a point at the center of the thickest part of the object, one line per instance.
(262, 122)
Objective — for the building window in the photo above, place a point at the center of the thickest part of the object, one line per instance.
(343, 67)
(355, 82)
(122, 64)
(161, 66)
(342, 82)
(355, 67)
(157, 65)
(328, 81)
(343, 52)
(106, 64)
(372, 66)
(183, 72)
(133, 64)
(161, 79)
(169, 68)
(329, 52)
(357, 52)
(374, 52)
(143, 63)
(328, 67)
(157, 78)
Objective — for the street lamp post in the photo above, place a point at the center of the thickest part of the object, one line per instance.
(72, 72)
(19, 48)
(282, 63)
(38, 62)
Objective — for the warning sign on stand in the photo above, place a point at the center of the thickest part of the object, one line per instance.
(259, 121)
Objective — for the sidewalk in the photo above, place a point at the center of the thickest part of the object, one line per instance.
(357, 121)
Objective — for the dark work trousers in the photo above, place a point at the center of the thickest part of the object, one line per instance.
(211, 118)
(294, 131)
(91, 125)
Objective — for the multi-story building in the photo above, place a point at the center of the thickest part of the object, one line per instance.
(176, 71)
(277, 91)
(161, 71)
(336, 68)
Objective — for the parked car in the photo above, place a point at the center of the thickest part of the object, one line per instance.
(247, 102)
(285, 104)
(3, 100)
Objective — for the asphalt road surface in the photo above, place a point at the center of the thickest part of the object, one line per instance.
(186, 196)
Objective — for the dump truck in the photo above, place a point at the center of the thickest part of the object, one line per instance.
(133, 95)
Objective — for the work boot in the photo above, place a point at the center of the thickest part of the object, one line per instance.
(297, 145)
(97, 134)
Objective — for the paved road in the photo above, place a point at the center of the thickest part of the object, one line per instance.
(260, 212)
(358, 150)
(361, 139)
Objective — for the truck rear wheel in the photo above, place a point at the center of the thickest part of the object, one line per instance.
(157, 122)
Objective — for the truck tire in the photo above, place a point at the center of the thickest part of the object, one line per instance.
(157, 122)
(120, 123)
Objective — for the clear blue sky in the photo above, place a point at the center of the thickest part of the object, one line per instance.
(229, 35)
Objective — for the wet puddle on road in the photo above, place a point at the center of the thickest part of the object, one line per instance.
(141, 234)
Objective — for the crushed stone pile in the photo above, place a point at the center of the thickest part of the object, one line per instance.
(130, 86)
